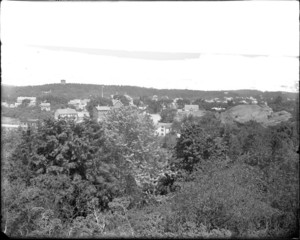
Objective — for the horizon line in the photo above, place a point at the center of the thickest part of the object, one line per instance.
(172, 89)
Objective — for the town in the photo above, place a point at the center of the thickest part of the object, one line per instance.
(94, 160)
(154, 106)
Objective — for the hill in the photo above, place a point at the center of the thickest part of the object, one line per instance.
(260, 114)
(72, 91)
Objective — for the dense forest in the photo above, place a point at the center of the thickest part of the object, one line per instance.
(116, 178)
(72, 91)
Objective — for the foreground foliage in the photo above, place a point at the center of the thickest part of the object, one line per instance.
(113, 179)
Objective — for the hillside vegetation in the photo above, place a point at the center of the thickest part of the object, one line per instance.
(72, 91)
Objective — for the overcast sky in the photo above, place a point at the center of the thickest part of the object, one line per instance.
(189, 45)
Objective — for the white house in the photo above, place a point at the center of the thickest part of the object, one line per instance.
(155, 98)
(191, 107)
(130, 99)
(68, 114)
(101, 112)
(82, 115)
(163, 128)
(218, 108)
(155, 118)
(80, 104)
(117, 103)
(21, 99)
(45, 106)
(4, 104)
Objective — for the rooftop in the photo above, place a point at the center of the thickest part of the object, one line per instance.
(103, 108)
(66, 111)
(45, 104)
(191, 107)
(166, 125)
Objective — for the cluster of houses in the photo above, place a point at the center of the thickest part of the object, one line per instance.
(78, 111)
(239, 100)
(73, 114)
(31, 103)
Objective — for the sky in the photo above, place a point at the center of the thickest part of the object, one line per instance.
(165, 45)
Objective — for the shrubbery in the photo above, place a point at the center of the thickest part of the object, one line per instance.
(112, 179)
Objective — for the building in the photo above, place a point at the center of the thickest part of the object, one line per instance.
(29, 123)
(63, 82)
(32, 101)
(155, 118)
(75, 102)
(79, 104)
(228, 99)
(67, 114)
(162, 129)
(155, 98)
(101, 111)
(45, 106)
(218, 109)
(10, 123)
(142, 108)
(191, 108)
(4, 104)
(117, 103)
(46, 92)
(82, 115)
(130, 99)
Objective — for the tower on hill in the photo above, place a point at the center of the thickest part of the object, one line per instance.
(63, 81)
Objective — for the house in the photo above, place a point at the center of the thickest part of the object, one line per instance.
(63, 82)
(218, 108)
(228, 98)
(130, 99)
(243, 102)
(117, 103)
(155, 118)
(67, 114)
(79, 104)
(29, 123)
(155, 98)
(82, 115)
(45, 106)
(4, 104)
(162, 129)
(101, 111)
(10, 123)
(21, 99)
(253, 100)
(191, 108)
(46, 92)
(142, 108)
(76, 103)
